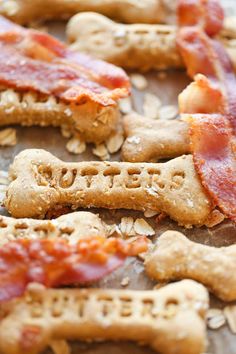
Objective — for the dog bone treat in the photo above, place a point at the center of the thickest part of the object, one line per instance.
(71, 226)
(55, 86)
(46, 182)
(137, 46)
(149, 140)
(130, 11)
(170, 320)
(90, 121)
(176, 257)
(130, 46)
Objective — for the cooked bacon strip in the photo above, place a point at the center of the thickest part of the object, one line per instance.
(202, 96)
(206, 13)
(212, 136)
(55, 262)
(214, 159)
(48, 66)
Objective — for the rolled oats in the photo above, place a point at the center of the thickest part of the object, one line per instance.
(8, 137)
(141, 227)
(76, 146)
(151, 106)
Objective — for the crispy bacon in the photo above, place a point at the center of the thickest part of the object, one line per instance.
(55, 262)
(201, 96)
(48, 66)
(214, 158)
(212, 135)
(206, 13)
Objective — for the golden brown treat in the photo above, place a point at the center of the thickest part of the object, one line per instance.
(137, 46)
(90, 121)
(46, 182)
(71, 226)
(150, 140)
(130, 11)
(176, 257)
(130, 46)
(170, 320)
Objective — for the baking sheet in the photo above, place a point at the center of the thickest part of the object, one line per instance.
(168, 88)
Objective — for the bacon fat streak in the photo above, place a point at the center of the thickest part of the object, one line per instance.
(212, 134)
(31, 60)
(56, 263)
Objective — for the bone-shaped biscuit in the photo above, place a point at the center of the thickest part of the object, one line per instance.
(70, 226)
(150, 140)
(90, 121)
(137, 46)
(130, 11)
(170, 320)
(176, 257)
(46, 182)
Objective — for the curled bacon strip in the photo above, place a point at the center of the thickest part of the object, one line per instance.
(212, 136)
(207, 13)
(214, 158)
(55, 262)
(36, 61)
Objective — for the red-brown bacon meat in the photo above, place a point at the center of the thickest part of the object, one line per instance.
(31, 60)
(212, 134)
(55, 262)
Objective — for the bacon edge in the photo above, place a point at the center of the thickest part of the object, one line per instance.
(212, 136)
(56, 262)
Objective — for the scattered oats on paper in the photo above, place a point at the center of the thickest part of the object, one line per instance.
(151, 106)
(3, 190)
(11, 7)
(4, 180)
(101, 152)
(113, 230)
(115, 142)
(150, 213)
(126, 226)
(141, 227)
(76, 146)
(230, 315)
(125, 105)
(8, 137)
(125, 281)
(139, 81)
(215, 318)
(60, 347)
(65, 132)
(168, 112)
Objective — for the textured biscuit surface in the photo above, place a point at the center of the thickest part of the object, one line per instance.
(46, 182)
(176, 257)
(170, 320)
(88, 120)
(130, 11)
(136, 46)
(150, 140)
(71, 227)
